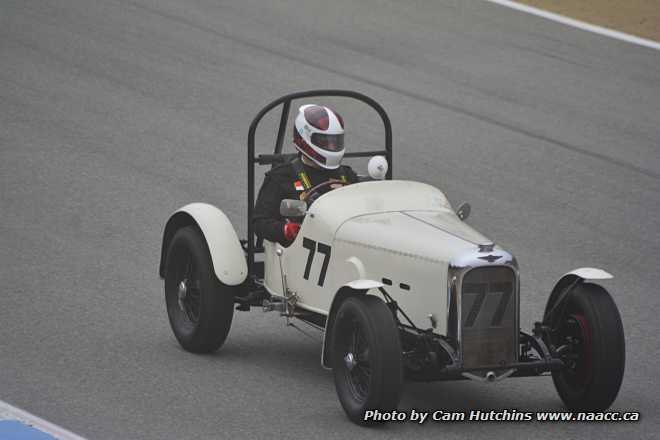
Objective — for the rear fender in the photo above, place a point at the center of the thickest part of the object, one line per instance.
(227, 256)
(354, 288)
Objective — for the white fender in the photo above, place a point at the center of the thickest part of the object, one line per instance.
(364, 284)
(590, 273)
(227, 254)
(583, 273)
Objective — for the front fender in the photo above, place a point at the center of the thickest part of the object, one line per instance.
(574, 276)
(227, 256)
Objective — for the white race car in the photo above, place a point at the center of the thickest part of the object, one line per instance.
(398, 283)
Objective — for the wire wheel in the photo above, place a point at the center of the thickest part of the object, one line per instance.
(366, 357)
(588, 335)
(199, 306)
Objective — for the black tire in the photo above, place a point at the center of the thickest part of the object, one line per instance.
(364, 326)
(202, 319)
(595, 365)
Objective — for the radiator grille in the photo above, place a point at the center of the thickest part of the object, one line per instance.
(488, 317)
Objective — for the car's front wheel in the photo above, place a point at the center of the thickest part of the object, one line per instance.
(366, 357)
(590, 331)
(199, 306)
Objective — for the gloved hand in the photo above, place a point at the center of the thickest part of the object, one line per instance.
(291, 230)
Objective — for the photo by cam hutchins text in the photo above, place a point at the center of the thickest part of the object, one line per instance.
(505, 415)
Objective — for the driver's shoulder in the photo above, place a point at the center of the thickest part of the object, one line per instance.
(283, 171)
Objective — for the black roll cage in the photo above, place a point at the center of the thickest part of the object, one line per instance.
(277, 156)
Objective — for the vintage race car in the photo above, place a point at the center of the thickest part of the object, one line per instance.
(398, 283)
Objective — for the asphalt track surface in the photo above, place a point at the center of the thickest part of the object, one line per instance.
(115, 113)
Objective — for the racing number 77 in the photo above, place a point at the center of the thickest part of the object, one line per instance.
(312, 246)
(481, 290)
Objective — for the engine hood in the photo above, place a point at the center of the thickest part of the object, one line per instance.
(448, 222)
(339, 205)
(438, 236)
(400, 216)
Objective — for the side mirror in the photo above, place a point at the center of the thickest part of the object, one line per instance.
(377, 167)
(463, 211)
(293, 208)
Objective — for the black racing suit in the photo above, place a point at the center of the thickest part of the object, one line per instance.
(285, 182)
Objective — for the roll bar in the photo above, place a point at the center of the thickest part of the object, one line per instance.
(278, 157)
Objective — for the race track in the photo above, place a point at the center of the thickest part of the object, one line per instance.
(113, 114)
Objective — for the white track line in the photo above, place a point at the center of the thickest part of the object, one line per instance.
(37, 422)
(578, 24)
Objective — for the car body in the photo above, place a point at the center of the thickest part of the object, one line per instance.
(399, 235)
(400, 286)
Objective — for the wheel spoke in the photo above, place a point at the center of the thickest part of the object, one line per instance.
(366, 371)
(360, 374)
(188, 272)
(354, 337)
(193, 293)
(363, 356)
(192, 300)
(191, 312)
(576, 353)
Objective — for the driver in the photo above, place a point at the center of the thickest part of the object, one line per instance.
(318, 135)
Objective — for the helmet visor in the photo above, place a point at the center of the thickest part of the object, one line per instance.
(329, 142)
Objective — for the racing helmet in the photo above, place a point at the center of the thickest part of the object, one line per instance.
(318, 133)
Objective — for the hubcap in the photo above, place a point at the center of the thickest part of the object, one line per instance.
(183, 290)
(350, 361)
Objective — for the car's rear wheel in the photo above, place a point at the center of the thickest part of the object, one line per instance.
(199, 306)
(366, 357)
(591, 331)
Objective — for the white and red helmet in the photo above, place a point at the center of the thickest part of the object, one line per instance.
(318, 133)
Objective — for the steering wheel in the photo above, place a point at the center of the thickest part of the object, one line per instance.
(315, 192)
